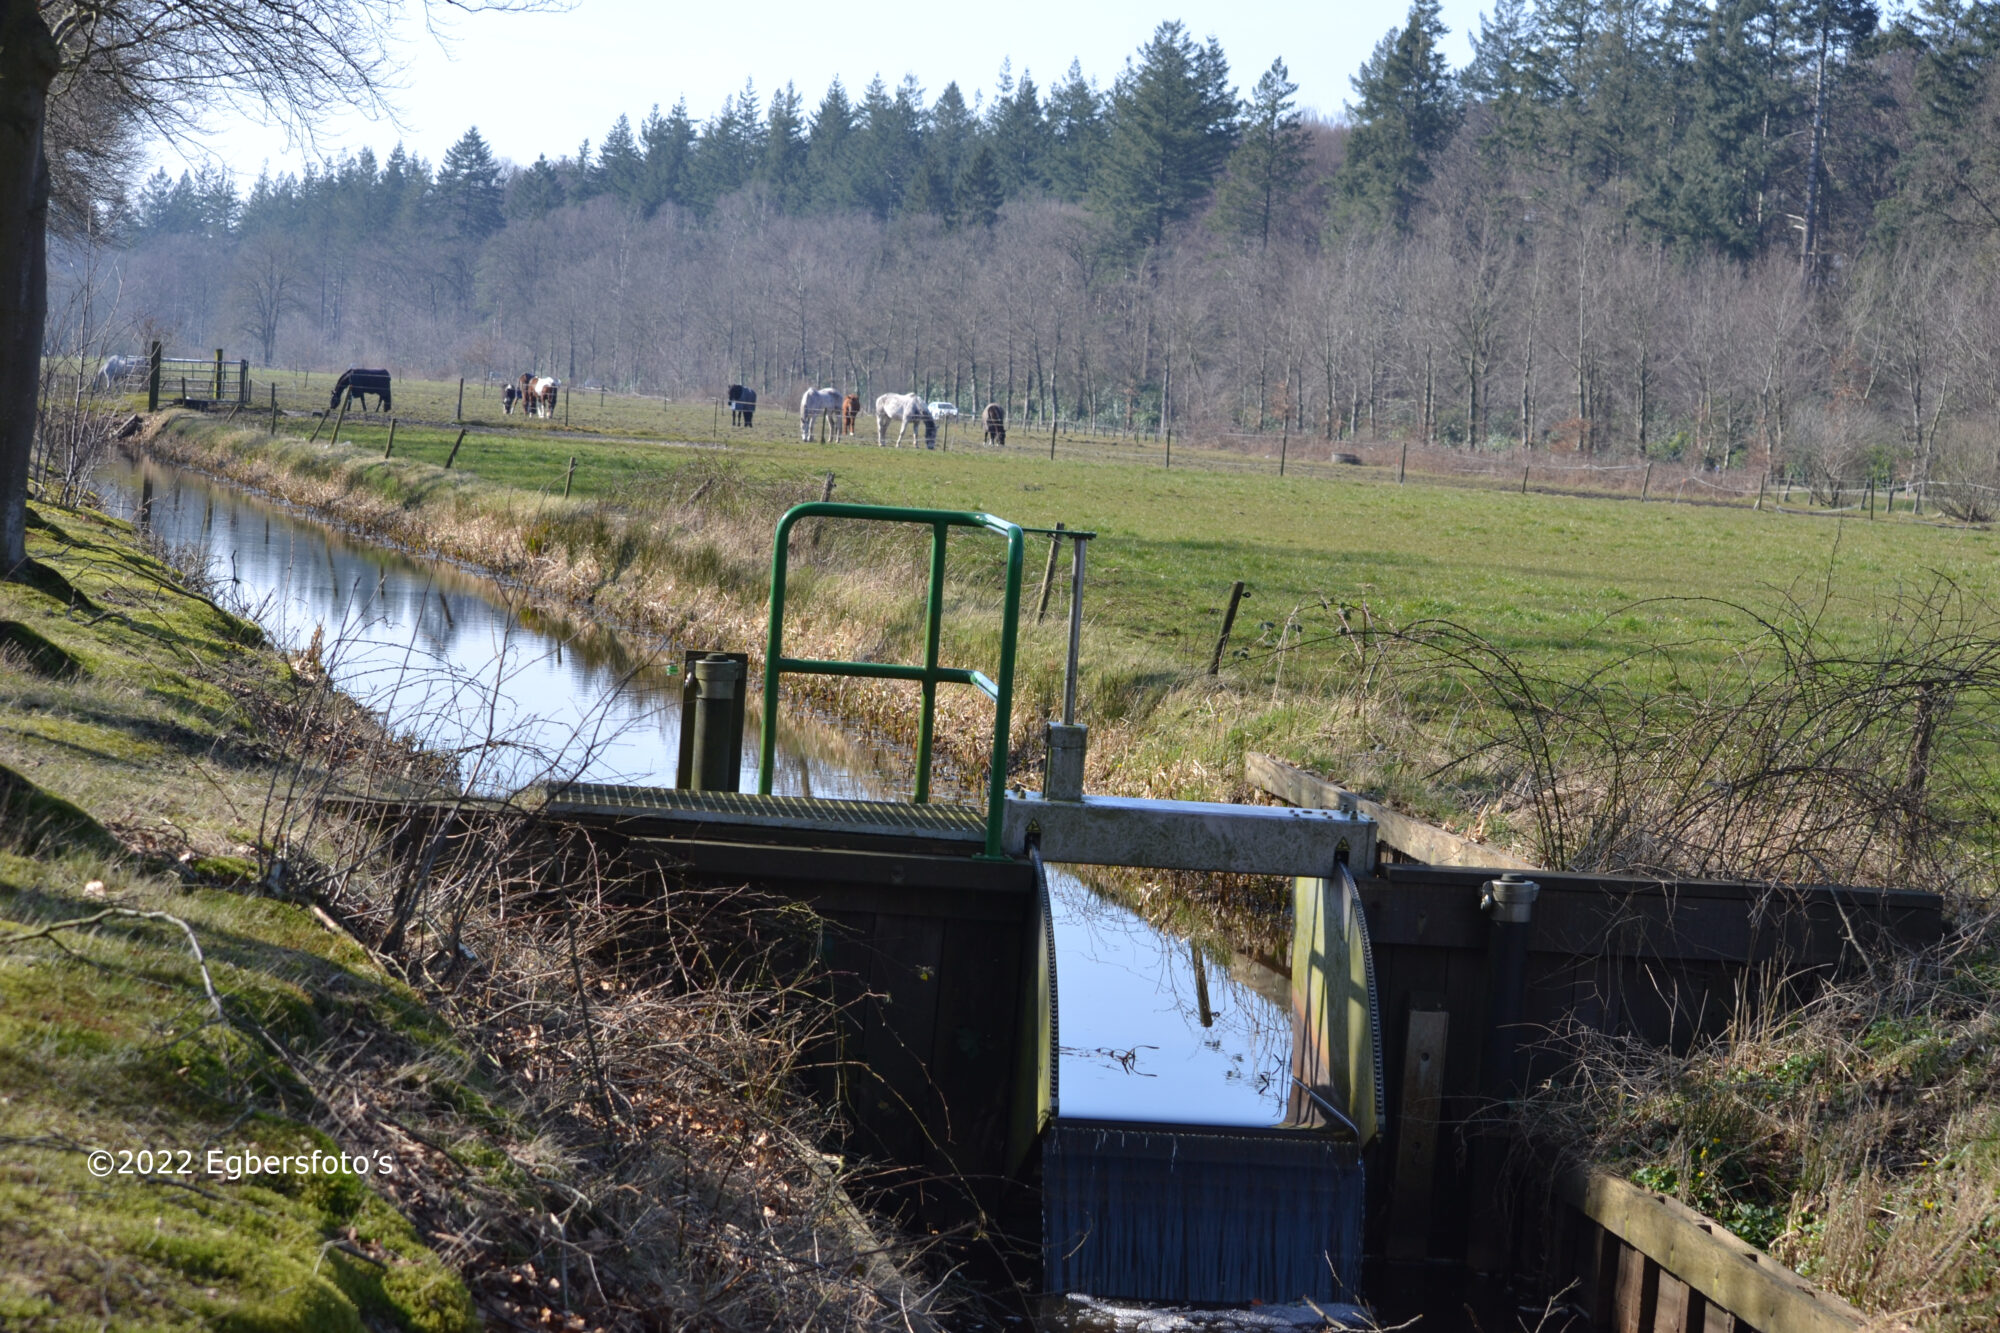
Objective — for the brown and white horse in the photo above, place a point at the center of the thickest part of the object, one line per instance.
(995, 417)
(538, 395)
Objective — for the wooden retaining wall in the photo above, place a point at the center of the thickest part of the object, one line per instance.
(1664, 962)
(1639, 1262)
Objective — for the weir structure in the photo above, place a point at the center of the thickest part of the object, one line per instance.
(934, 933)
(933, 930)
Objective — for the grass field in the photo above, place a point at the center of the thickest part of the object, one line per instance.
(1549, 575)
(1567, 585)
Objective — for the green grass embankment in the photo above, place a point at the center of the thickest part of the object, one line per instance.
(130, 774)
(147, 742)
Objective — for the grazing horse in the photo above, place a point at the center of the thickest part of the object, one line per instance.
(509, 396)
(850, 408)
(358, 383)
(114, 369)
(816, 406)
(742, 405)
(542, 396)
(538, 394)
(995, 418)
(905, 408)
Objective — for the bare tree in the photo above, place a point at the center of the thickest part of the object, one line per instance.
(153, 66)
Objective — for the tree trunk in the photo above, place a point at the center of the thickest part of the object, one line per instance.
(28, 63)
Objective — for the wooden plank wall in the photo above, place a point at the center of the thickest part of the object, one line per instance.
(1664, 962)
(1638, 1262)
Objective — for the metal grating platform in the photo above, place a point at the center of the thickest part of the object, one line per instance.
(955, 823)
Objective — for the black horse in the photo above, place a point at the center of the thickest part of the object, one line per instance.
(742, 405)
(359, 383)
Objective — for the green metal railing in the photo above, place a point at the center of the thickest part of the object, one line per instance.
(1000, 690)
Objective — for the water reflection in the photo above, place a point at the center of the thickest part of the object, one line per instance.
(1152, 1031)
(459, 660)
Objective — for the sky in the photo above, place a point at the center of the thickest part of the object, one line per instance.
(543, 83)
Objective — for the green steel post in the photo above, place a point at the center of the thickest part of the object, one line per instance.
(774, 651)
(1003, 701)
(933, 624)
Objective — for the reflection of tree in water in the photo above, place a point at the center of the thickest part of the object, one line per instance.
(420, 639)
(1246, 1027)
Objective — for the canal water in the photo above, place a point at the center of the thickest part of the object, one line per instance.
(1150, 1029)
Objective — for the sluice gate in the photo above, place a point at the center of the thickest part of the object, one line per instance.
(937, 941)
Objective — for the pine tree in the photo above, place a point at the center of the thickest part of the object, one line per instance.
(951, 133)
(1707, 184)
(1507, 73)
(1019, 134)
(1409, 107)
(1172, 124)
(930, 194)
(726, 154)
(1076, 133)
(468, 188)
(669, 142)
(620, 165)
(1266, 170)
(979, 195)
(783, 168)
(536, 193)
(829, 150)
(887, 147)
(1950, 175)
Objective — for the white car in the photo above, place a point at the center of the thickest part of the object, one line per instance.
(943, 410)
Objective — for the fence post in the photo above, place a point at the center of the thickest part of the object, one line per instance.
(243, 382)
(1645, 482)
(1761, 483)
(1284, 443)
(567, 476)
(1049, 574)
(153, 378)
(454, 449)
(274, 407)
(1228, 623)
(1052, 435)
(456, 416)
(1524, 477)
(391, 446)
(216, 397)
(566, 396)
(339, 421)
(1403, 462)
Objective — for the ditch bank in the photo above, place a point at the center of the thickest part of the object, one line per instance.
(225, 1103)
(683, 562)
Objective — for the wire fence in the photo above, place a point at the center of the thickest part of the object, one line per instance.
(591, 411)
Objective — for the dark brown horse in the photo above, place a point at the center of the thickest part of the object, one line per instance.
(995, 417)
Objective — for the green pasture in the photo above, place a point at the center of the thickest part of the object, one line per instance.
(1548, 576)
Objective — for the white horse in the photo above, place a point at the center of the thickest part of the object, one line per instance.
(815, 406)
(114, 369)
(905, 408)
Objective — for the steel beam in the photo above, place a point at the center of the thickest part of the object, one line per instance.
(1189, 835)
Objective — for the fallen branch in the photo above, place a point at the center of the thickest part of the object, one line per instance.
(48, 932)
